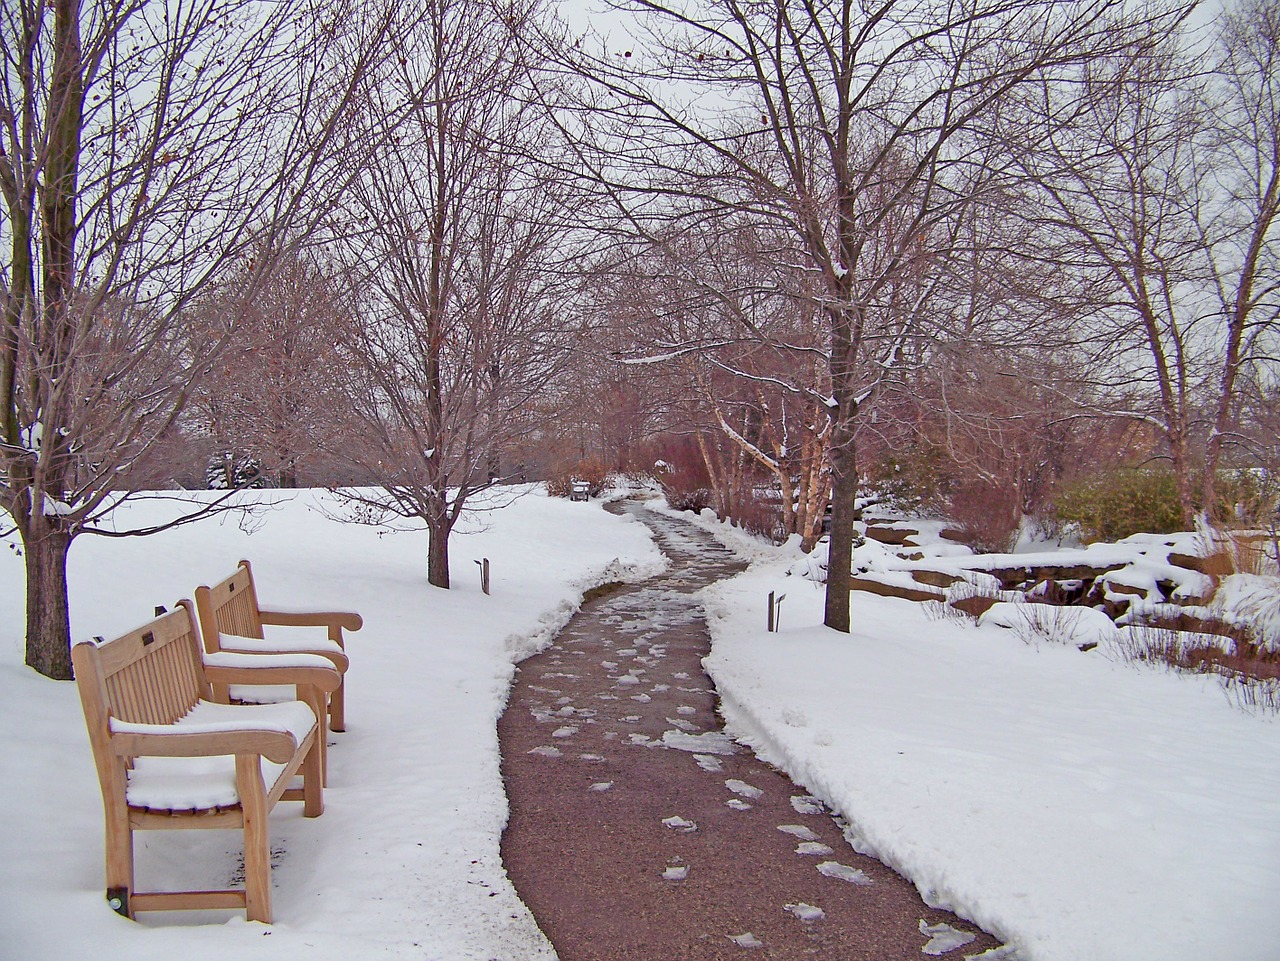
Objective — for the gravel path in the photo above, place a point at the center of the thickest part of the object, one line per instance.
(640, 831)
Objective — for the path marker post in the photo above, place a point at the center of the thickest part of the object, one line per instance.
(775, 611)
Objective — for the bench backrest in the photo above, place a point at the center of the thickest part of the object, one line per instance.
(229, 607)
(152, 675)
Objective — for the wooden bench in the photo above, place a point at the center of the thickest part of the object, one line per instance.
(168, 756)
(231, 619)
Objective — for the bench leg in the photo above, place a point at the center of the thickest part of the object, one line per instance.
(319, 703)
(338, 707)
(313, 778)
(119, 844)
(257, 842)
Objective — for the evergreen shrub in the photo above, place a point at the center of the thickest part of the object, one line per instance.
(1122, 502)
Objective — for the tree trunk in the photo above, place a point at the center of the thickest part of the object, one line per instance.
(438, 553)
(844, 492)
(48, 620)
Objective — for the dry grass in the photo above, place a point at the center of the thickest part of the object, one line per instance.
(1250, 672)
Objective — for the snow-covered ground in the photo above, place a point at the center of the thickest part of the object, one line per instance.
(1079, 807)
(405, 862)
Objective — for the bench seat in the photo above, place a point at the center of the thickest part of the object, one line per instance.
(208, 783)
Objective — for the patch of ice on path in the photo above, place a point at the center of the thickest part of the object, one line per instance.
(546, 751)
(709, 763)
(601, 786)
(738, 804)
(743, 788)
(813, 847)
(834, 869)
(677, 823)
(686, 709)
(806, 912)
(746, 940)
(807, 804)
(798, 831)
(942, 938)
(568, 731)
(710, 742)
(676, 872)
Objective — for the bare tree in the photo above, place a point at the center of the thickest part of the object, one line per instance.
(1165, 179)
(145, 147)
(270, 396)
(1239, 223)
(857, 132)
(455, 282)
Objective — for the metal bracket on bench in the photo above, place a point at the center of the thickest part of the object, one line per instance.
(118, 900)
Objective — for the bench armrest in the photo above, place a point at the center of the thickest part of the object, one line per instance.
(330, 650)
(310, 670)
(150, 740)
(336, 621)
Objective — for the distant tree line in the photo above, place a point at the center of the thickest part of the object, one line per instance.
(971, 252)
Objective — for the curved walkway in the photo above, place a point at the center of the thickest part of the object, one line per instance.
(640, 831)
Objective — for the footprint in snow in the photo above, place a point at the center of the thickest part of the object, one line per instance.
(834, 869)
(942, 938)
